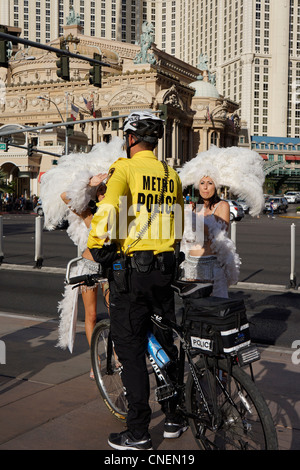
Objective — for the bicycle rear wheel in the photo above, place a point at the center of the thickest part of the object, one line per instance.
(241, 419)
(107, 370)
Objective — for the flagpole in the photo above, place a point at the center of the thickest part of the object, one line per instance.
(67, 137)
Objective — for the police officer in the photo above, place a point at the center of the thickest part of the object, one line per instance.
(147, 194)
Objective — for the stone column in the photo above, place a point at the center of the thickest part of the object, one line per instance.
(160, 148)
(204, 139)
(95, 132)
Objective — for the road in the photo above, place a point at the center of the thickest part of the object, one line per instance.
(265, 248)
(263, 245)
(19, 242)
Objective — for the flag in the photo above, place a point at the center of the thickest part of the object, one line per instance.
(74, 111)
(232, 119)
(90, 106)
(208, 114)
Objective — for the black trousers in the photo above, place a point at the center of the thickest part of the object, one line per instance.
(130, 321)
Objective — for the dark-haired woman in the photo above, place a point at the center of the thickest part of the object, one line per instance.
(86, 265)
(208, 250)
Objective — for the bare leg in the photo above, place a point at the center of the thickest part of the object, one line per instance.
(89, 298)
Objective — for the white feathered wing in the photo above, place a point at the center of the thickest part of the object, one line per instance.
(241, 170)
(72, 175)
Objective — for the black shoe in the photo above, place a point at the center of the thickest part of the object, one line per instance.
(173, 430)
(126, 440)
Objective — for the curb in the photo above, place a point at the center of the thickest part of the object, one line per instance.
(239, 285)
(289, 216)
(264, 287)
(20, 267)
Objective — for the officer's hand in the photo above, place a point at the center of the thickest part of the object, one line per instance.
(97, 179)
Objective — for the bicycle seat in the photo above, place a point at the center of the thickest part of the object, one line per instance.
(185, 288)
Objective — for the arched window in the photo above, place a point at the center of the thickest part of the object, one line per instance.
(214, 138)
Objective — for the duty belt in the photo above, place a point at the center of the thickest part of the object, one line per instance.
(132, 263)
(144, 261)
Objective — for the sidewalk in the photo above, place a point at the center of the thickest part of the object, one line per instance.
(48, 402)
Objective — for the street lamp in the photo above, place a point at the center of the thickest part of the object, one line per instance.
(62, 119)
(53, 102)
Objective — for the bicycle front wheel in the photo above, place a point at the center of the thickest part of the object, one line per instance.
(230, 412)
(107, 370)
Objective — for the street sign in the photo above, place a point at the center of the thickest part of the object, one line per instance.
(3, 146)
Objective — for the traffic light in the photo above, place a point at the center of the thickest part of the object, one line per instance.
(115, 122)
(30, 150)
(164, 111)
(70, 129)
(96, 72)
(63, 67)
(4, 48)
(7, 142)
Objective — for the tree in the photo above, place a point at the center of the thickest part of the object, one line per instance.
(4, 186)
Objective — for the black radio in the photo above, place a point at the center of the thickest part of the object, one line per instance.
(120, 274)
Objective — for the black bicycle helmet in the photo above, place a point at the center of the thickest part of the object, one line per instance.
(145, 125)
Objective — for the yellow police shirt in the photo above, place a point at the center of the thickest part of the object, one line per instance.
(133, 193)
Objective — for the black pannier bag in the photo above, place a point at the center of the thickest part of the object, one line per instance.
(216, 325)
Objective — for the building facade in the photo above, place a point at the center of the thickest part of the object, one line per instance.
(44, 20)
(254, 48)
(135, 77)
(253, 45)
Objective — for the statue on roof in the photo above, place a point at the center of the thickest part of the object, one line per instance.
(212, 78)
(147, 38)
(203, 62)
(73, 18)
(203, 65)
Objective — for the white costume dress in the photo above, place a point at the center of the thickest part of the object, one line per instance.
(222, 267)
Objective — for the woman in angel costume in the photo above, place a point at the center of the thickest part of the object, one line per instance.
(87, 264)
(210, 255)
(67, 191)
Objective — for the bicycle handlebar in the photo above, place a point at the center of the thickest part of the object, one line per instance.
(77, 279)
(73, 261)
(85, 279)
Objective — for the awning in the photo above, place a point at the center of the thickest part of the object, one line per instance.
(40, 175)
(292, 157)
(24, 174)
(264, 156)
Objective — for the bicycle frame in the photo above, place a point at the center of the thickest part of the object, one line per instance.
(183, 355)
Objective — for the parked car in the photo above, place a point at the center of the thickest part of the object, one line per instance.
(39, 209)
(280, 204)
(236, 211)
(242, 203)
(292, 197)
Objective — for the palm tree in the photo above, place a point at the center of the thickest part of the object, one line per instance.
(4, 186)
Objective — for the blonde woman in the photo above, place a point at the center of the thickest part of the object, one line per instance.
(201, 261)
(210, 253)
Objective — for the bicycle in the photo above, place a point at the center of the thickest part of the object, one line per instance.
(219, 399)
